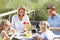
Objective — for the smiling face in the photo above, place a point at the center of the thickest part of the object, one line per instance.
(44, 25)
(21, 12)
(51, 12)
(42, 28)
(7, 26)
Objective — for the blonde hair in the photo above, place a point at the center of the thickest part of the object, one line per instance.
(21, 7)
(44, 24)
(3, 22)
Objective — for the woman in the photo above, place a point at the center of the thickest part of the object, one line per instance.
(19, 20)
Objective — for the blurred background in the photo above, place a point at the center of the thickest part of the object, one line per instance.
(38, 5)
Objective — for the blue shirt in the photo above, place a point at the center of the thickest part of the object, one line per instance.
(54, 22)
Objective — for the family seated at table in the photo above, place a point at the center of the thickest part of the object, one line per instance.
(46, 33)
(21, 23)
(21, 19)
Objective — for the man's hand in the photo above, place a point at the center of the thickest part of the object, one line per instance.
(55, 28)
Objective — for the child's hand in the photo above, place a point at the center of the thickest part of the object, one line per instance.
(5, 35)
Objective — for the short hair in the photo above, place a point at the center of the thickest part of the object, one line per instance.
(44, 24)
(51, 6)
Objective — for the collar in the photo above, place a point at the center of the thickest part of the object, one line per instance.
(55, 16)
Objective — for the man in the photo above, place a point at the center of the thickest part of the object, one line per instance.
(53, 19)
(19, 20)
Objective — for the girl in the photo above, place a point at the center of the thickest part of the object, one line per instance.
(5, 25)
(46, 34)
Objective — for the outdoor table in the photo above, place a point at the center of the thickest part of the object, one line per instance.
(56, 37)
(21, 37)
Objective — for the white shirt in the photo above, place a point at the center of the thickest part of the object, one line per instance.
(17, 24)
(48, 35)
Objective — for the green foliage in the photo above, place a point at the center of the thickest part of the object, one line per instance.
(38, 5)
